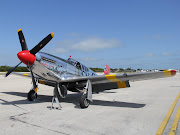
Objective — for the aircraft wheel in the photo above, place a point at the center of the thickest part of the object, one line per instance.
(32, 95)
(84, 102)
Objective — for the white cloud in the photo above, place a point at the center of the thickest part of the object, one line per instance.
(73, 34)
(92, 44)
(85, 45)
(149, 55)
(158, 36)
(60, 50)
(165, 53)
(89, 59)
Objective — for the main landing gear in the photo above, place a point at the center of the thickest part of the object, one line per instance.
(84, 102)
(32, 95)
(86, 98)
(60, 91)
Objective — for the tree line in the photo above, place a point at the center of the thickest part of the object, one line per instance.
(18, 69)
(24, 69)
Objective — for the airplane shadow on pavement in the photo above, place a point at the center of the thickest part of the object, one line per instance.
(71, 98)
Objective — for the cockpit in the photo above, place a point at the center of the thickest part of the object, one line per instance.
(78, 65)
(72, 61)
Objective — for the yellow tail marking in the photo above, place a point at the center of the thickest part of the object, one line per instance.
(25, 74)
(167, 73)
(113, 78)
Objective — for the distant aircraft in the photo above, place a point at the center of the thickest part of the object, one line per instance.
(71, 75)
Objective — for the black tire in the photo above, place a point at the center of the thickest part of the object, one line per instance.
(32, 95)
(84, 102)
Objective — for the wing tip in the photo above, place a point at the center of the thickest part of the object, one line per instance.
(173, 72)
(5, 74)
(169, 73)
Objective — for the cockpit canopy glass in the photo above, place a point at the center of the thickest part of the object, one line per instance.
(72, 61)
(75, 62)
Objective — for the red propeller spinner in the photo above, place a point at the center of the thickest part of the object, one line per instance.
(26, 57)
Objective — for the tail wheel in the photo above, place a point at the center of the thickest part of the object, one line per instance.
(84, 102)
(32, 95)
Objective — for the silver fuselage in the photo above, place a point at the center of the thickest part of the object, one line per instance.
(53, 68)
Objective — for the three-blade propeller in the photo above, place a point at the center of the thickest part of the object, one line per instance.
(28, 57)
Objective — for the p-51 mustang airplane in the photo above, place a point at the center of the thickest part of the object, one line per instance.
(71, 75)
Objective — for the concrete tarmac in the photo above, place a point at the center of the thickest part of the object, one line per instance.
(138, 110)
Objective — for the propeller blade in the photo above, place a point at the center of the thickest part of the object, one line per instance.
(12, 69)
(33, 79)
(41, 44)
(22, 40)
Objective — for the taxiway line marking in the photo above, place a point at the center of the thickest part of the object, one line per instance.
(175, 123)
(168, 115)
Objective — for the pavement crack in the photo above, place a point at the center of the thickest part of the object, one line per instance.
(13, 118)
(13, 104)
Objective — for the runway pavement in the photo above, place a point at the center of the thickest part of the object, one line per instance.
(138, 110)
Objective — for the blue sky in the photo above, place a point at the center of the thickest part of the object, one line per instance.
(121, 33)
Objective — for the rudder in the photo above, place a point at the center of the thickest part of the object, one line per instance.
(107, 70)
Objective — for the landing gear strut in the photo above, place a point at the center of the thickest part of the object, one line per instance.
(56, 96)
(32, 95)
(86, 98)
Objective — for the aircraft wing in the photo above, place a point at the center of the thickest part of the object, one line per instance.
(40, 80)
(107, 82)
(123, 77)
(110, 81)
(115, 78)
(24, 74)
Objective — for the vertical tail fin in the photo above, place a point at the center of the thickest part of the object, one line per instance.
(107, 70)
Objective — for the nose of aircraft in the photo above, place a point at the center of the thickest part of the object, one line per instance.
(25, 57)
